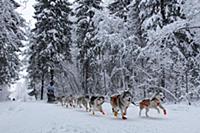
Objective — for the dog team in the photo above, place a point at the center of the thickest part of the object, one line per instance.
(119, 103)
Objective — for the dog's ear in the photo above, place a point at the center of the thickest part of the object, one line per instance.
(129, 91)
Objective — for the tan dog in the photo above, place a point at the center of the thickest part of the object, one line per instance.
(155, 102)
(121, 102)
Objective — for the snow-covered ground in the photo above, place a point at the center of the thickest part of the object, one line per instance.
(40, 117)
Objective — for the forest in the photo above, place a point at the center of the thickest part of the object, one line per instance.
(102, 47)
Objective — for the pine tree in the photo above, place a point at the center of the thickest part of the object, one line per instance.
(51, 39)
(120, 8)
(11, 35)
(86, 31)
(157, 13)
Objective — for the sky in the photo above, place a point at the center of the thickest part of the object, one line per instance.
(27, 11)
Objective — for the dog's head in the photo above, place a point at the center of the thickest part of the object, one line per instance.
(59, 98)
(160, 96)
(127, 96)
(100, 100)
(87, 98)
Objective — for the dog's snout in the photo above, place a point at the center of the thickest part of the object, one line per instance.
(129, 99)
(162, 99)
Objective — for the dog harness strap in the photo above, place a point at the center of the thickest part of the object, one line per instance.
(120, 103)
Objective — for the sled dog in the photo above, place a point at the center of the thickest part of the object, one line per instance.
(154, 102)
(69, 101)
(60, 99)
(83, 101)
(96, 103)
(121, 102)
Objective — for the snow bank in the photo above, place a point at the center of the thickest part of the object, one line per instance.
(34, 117)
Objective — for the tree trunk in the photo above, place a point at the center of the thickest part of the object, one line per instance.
(186, 81)
(52, 74)
(187, 88)
(162, 6)
(144, 92)
(42, 87)
(163, 78)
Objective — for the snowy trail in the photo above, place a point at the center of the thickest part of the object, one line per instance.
(39, 117)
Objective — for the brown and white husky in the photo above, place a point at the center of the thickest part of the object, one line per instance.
(154, 102)
(121, 102)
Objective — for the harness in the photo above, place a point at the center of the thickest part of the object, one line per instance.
(157, 101)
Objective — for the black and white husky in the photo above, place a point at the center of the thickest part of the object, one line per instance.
(68, 101)
(154, 102)
(60, 100)
(121, 102)
(83, 101)
(96, 103)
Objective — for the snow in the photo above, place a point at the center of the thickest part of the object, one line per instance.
(27, 11)
(40, 117)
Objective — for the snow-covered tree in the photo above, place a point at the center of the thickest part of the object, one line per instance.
(51, 40)
(170, 49)
(11, 36)
(120, 8)
(86, 30)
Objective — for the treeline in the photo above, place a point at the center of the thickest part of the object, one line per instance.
(91, 47)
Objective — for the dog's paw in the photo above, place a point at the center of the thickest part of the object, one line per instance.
(124, 118)
(165, 112)
(102, 112)
(115, 114)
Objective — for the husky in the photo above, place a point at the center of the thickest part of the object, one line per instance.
(60, 99)
(69, 101)
(83, 101)
(96, 103)
(154, 102)
(121, 102)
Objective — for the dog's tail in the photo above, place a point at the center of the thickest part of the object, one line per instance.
(136, 104)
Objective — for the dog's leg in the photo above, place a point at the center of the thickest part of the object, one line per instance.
(101, 110)
(89, 109)
(115, 112)
(165, 112)
(86, 107)
(93, 111)
(62, 102)
(147, 110)
(157, 110)
(140, 111)
(125, 110)
(123, 115)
